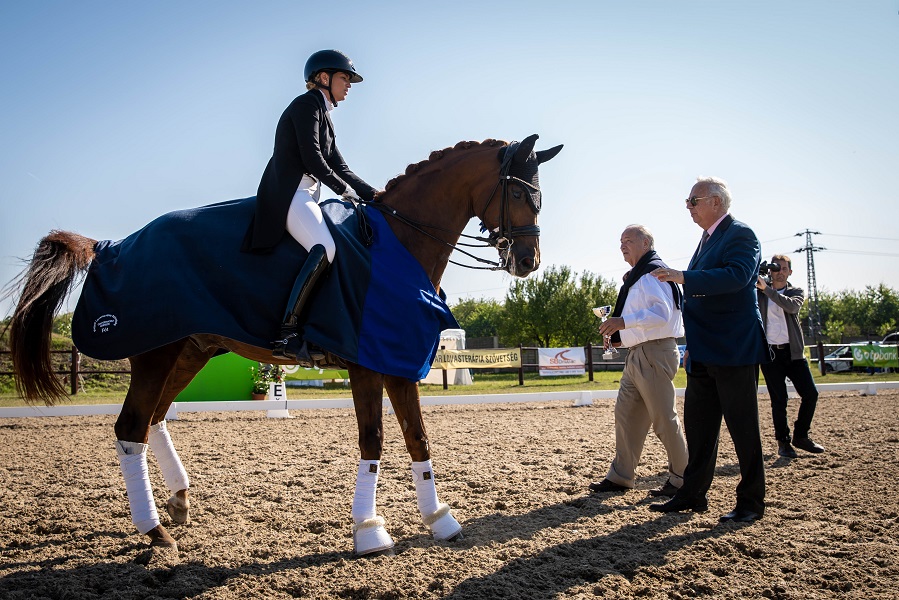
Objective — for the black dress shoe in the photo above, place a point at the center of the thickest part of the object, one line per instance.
(806, 443)
(680, 504)
(740, 515)
(666, 490)
(606, 485)
(785, 449)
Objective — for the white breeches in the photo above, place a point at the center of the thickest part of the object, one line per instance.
(172, 470)
(304, 218)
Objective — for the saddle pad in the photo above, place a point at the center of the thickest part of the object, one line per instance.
(184, 274)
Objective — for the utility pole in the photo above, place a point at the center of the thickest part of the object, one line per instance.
(814, 313)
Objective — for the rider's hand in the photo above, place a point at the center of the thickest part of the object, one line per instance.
(350, 194)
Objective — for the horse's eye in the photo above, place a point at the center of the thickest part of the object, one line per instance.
(516, 193)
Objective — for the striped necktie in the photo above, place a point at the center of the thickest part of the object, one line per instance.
(705, 237)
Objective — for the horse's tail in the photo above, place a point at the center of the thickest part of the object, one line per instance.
(59, 261)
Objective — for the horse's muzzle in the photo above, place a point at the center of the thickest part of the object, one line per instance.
(522, 266)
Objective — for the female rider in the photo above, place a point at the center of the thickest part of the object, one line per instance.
(306, 156)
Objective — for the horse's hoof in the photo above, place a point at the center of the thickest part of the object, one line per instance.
(456, 538)
(178, 509)
(160, 538)
(369, 537)
(444, 527)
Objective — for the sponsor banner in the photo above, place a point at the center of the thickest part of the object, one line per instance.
(561, 361)
(488, 358)
(875, 355)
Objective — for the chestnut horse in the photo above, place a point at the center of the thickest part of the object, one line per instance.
(428, 208)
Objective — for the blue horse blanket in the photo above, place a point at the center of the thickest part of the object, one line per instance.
(184, 274)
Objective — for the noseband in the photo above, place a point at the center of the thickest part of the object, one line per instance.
(502, 237)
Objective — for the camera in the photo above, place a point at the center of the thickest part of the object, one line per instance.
(765, 268)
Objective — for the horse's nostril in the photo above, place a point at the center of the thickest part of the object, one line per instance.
(528, 263)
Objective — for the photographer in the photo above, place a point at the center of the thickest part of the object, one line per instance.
(779, 303)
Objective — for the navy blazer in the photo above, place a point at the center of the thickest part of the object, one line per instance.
(721, 312)
(304, 144)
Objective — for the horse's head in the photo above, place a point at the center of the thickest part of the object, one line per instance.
(512, 222)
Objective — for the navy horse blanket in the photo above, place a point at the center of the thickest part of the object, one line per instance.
(184, 274)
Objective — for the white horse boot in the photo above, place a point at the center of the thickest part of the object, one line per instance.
(369, 534)
(173, 472)
(436, 516)
(133, 462)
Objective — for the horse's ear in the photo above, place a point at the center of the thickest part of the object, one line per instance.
(525, 148)
(545, 155)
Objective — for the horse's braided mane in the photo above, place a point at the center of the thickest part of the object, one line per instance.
(437, 155)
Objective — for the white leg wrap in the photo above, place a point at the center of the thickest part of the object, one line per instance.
(436, 516)
(425, 488)
(172, 470)
(366, 490)
(133, 462)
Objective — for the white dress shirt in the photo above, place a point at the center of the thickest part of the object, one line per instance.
(777, 324)
(649, 313)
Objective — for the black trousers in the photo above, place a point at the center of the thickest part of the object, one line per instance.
(776, 374)
(714, 392)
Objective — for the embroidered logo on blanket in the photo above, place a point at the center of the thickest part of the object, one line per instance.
(102, 324)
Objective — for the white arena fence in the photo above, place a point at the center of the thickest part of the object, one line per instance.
(281, 408)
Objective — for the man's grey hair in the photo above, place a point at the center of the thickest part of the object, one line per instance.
(644, 233)
(717, 187)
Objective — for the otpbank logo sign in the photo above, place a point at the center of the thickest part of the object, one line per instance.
(561, 361)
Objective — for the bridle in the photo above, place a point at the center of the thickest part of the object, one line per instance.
(503, 236)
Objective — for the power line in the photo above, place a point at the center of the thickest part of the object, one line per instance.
(862, 237)
(862, 252)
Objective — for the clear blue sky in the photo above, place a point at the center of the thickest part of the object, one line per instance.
(112, 113)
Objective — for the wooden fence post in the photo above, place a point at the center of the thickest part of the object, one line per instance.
(520, 366)
(76, 363)
(589, 361)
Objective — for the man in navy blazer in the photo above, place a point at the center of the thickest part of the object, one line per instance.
(725, 342)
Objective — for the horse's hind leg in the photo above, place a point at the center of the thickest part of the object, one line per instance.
(190, 361)
(151, 374)
(406, 403)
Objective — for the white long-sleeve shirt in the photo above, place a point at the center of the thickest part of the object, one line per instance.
(649, 313)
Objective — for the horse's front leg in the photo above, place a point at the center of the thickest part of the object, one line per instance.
(369, 534)
(406, 403)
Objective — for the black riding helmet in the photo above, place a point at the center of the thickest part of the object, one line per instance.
(330, 61)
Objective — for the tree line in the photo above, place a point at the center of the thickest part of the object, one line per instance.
(554, 310)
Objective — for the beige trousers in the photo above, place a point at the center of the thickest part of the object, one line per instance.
(646, 398)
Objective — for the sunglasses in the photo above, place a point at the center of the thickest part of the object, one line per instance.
(693, 200)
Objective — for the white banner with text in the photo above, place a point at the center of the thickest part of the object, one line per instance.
(561, 361)
(501, 358)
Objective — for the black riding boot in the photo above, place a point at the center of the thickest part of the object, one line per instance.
(316, 264)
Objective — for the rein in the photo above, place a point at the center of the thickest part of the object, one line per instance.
(500, 238)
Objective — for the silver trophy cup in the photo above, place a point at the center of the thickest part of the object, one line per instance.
(609, 351)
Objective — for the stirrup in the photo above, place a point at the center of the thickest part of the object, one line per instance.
(280, 349)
